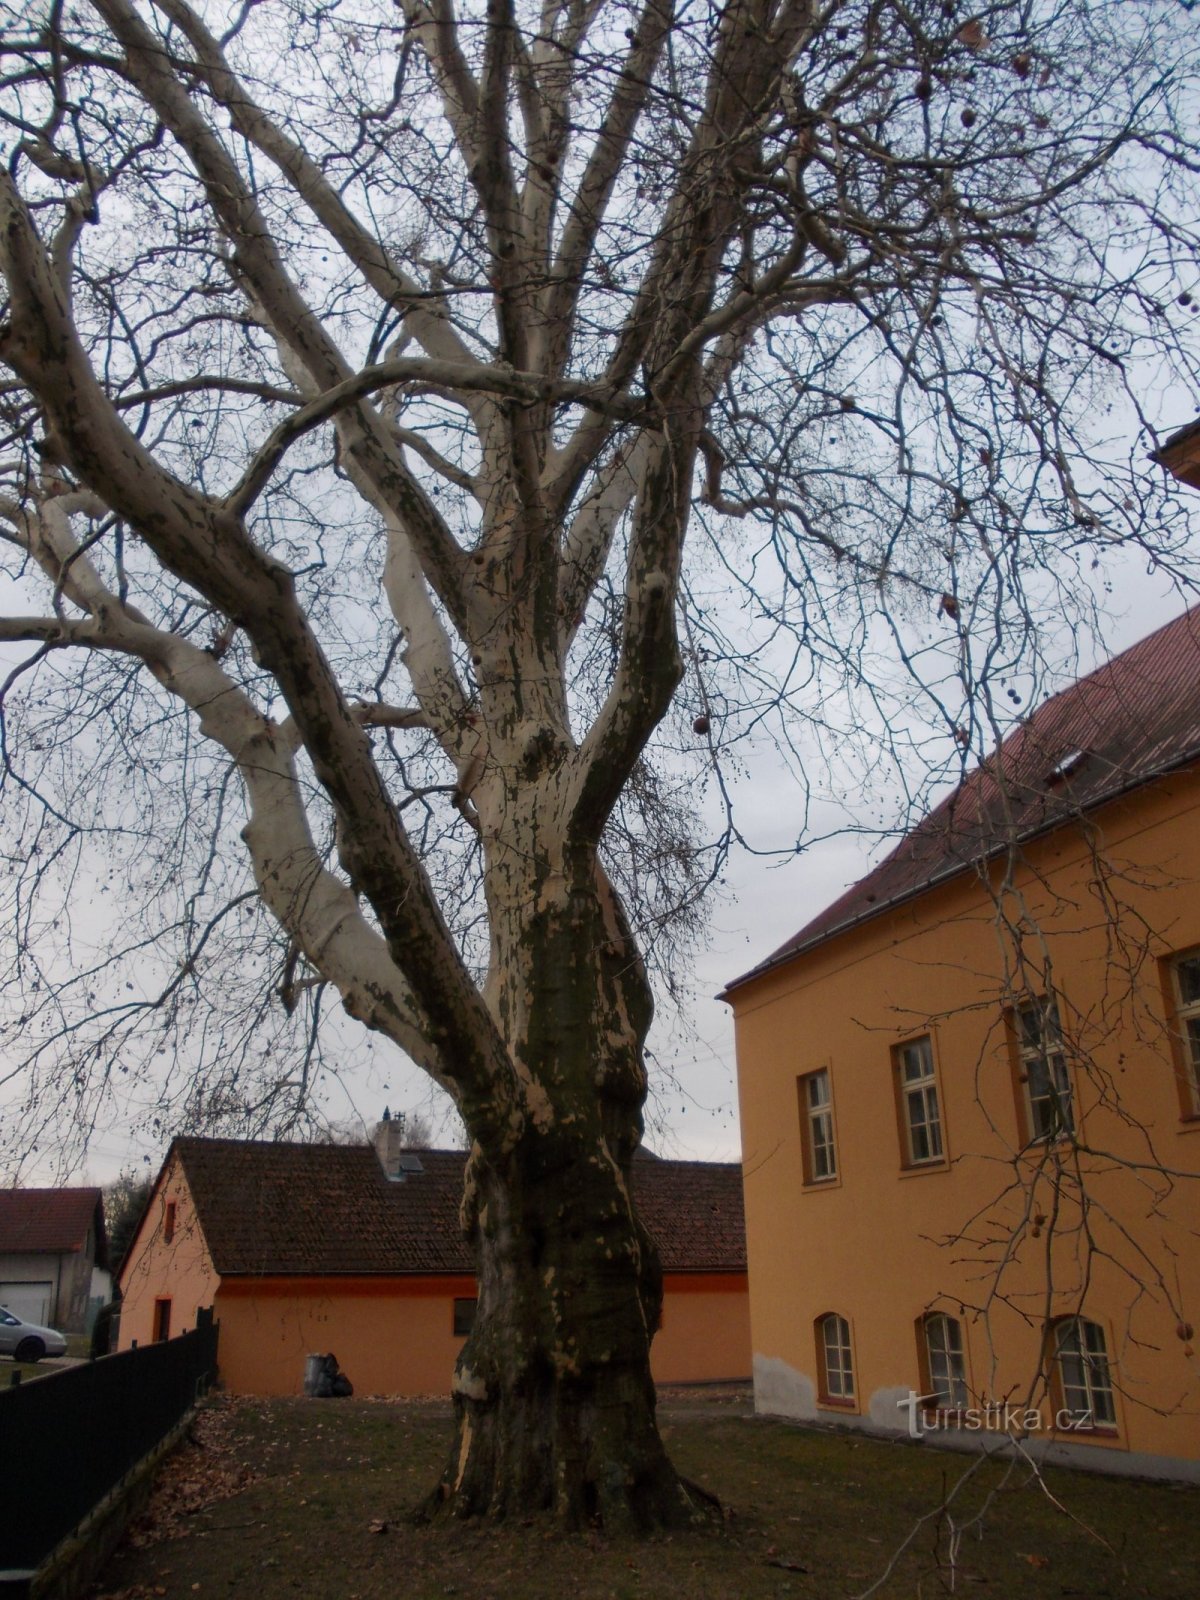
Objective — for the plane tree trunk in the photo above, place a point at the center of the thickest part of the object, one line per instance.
(554, 1402)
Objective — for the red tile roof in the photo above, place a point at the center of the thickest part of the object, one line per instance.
(49, 1221)
(1180, 454)
(316, 1210)
(1131, 721)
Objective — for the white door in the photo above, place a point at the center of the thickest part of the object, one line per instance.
(29, 1301)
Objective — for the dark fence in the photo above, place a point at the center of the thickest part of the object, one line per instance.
(67, 1439)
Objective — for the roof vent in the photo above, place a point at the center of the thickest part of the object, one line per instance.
(1069, 762)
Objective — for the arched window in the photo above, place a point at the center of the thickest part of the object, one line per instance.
(1083, 1384)
(943, 1362)
(834, 1359)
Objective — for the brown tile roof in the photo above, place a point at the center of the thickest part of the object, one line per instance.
(317, 1210)
(49, 1221)
(1131, 721)
(693, 1211)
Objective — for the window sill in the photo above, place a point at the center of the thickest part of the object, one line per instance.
(828, 1402)
(810, 1185)
(917, 1169)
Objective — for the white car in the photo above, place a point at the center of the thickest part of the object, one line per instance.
(25, 1341)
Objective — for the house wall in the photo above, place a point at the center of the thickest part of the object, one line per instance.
(395, 1335)
(75, 1299)
(881, 1245)
(179, 1269)
(705, 1332)
(390, 1335)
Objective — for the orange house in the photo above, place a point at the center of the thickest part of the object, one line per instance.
(307, 1249)
(970, 1101)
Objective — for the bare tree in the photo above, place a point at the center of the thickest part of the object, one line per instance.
(369, 365)
(125, 1198)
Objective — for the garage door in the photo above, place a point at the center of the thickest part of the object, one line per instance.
(29, 1301)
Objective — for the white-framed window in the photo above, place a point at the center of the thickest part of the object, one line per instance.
(1049, 1109)
(1185, 982)
(1084, 1381)
(920, 1110)
(816, 1127)
(945, 1362)
(835, 1358)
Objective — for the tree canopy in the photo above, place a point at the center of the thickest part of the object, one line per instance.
(434, 437)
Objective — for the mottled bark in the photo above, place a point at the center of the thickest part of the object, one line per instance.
(554, 1405)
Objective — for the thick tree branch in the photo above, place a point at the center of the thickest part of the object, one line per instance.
(649, 667)
(257, 259)
(416, 372)
(203, 545)
(565, 283)
(309, 902)
(589, 538)
(424, 317)
(427, 653)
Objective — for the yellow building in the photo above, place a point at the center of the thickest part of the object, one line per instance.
(970, 1101)
(357, 1251)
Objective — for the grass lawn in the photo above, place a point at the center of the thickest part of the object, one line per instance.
(291, 1498)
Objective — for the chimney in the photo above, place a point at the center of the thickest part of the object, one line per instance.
(389, 1136)
(397, 1162)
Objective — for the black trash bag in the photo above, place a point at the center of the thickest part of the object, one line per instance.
(330, 1383)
